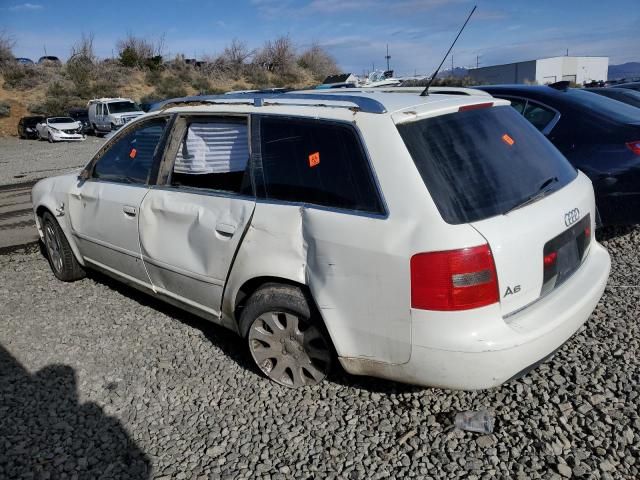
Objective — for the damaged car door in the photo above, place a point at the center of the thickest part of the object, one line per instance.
(103, 207)
(192, 222)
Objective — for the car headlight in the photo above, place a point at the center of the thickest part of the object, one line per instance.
(119, 121)
(54, 129)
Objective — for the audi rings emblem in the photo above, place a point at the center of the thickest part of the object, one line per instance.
(571, 217)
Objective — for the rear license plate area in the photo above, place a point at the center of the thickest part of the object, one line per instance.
(564, 254)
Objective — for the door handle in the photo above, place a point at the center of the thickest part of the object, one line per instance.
(225, 229)
(129, 211)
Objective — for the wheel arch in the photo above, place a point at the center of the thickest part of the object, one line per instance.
(40, 210)
(250, 286)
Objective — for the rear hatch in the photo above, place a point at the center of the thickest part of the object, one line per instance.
(488, 167)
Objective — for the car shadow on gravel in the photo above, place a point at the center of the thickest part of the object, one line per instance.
(604, 234)
(45, 432)
(226, 340)
(234, 347)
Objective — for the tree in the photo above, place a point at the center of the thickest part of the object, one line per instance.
(235, 56)
(319, 62)
(277, 56)
(137, 52)
(6, 48)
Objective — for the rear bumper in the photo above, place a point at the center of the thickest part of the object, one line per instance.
(495, 350)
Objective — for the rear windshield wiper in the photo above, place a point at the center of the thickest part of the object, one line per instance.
(542, 191)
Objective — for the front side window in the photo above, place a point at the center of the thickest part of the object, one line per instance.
(130, 158)
(316, 162)
(214, 154)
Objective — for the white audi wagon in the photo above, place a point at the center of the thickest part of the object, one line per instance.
(437, 240)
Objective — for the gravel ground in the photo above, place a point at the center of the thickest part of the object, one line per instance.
(99, 381)
(39, 159)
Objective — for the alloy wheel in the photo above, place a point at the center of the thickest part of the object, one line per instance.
(53, 247)
(289, 350)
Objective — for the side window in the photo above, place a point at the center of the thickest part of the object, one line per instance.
(130, 158)
(538, 115)
(214, 154)
(518, 104)
(316, 162)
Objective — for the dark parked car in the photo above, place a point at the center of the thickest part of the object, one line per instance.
(630, 85)
(82, 116)
(624, 95)
(27, 126)
(598, 135)
(49, 59)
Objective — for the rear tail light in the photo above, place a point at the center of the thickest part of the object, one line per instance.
(634, 147)
(476, 106)
(454, 279)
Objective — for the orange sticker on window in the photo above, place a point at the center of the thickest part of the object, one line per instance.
(314, 159)
(133, 153)
(508, 140)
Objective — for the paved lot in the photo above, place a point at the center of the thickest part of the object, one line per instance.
(22, 163)
(100, 381)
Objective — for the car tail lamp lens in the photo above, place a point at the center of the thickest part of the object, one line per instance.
(454, 279)
(476, 106)
(634, 147)
(550, 259)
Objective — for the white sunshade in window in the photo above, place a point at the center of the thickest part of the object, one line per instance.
(213, 148)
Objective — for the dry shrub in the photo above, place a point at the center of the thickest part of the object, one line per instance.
(24, 77)
(318, 62)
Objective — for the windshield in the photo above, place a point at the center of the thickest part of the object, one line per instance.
(605, 106)
(123, 107)
(481, 163)
(61, 120)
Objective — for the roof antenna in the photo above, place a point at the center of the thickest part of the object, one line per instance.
(425, 92)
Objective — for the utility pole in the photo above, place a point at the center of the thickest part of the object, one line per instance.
(477, 61)
(567, 52)
(388, 57)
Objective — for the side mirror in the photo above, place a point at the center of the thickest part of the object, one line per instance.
(84, 175)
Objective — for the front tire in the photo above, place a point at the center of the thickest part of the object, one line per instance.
(286, 342)
(49, 137)
(61, 258)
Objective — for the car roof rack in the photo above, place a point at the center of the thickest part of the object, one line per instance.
(359, 102)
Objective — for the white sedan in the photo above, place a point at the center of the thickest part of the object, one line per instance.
(56, 129)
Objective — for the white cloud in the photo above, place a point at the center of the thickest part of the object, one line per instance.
(26, 7)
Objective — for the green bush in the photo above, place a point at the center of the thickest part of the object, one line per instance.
(60, 97)
(200, 83)
(129, 57)
(80, 72)
(170, 86)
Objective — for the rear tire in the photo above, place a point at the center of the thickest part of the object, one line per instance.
(287, 343)
(61, 258)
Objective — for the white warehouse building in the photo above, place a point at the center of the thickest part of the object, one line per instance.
(580, 70)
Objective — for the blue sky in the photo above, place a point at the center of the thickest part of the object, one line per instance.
(354, 31)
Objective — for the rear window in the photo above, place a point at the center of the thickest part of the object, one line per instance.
(614, 110)
(481, 163)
